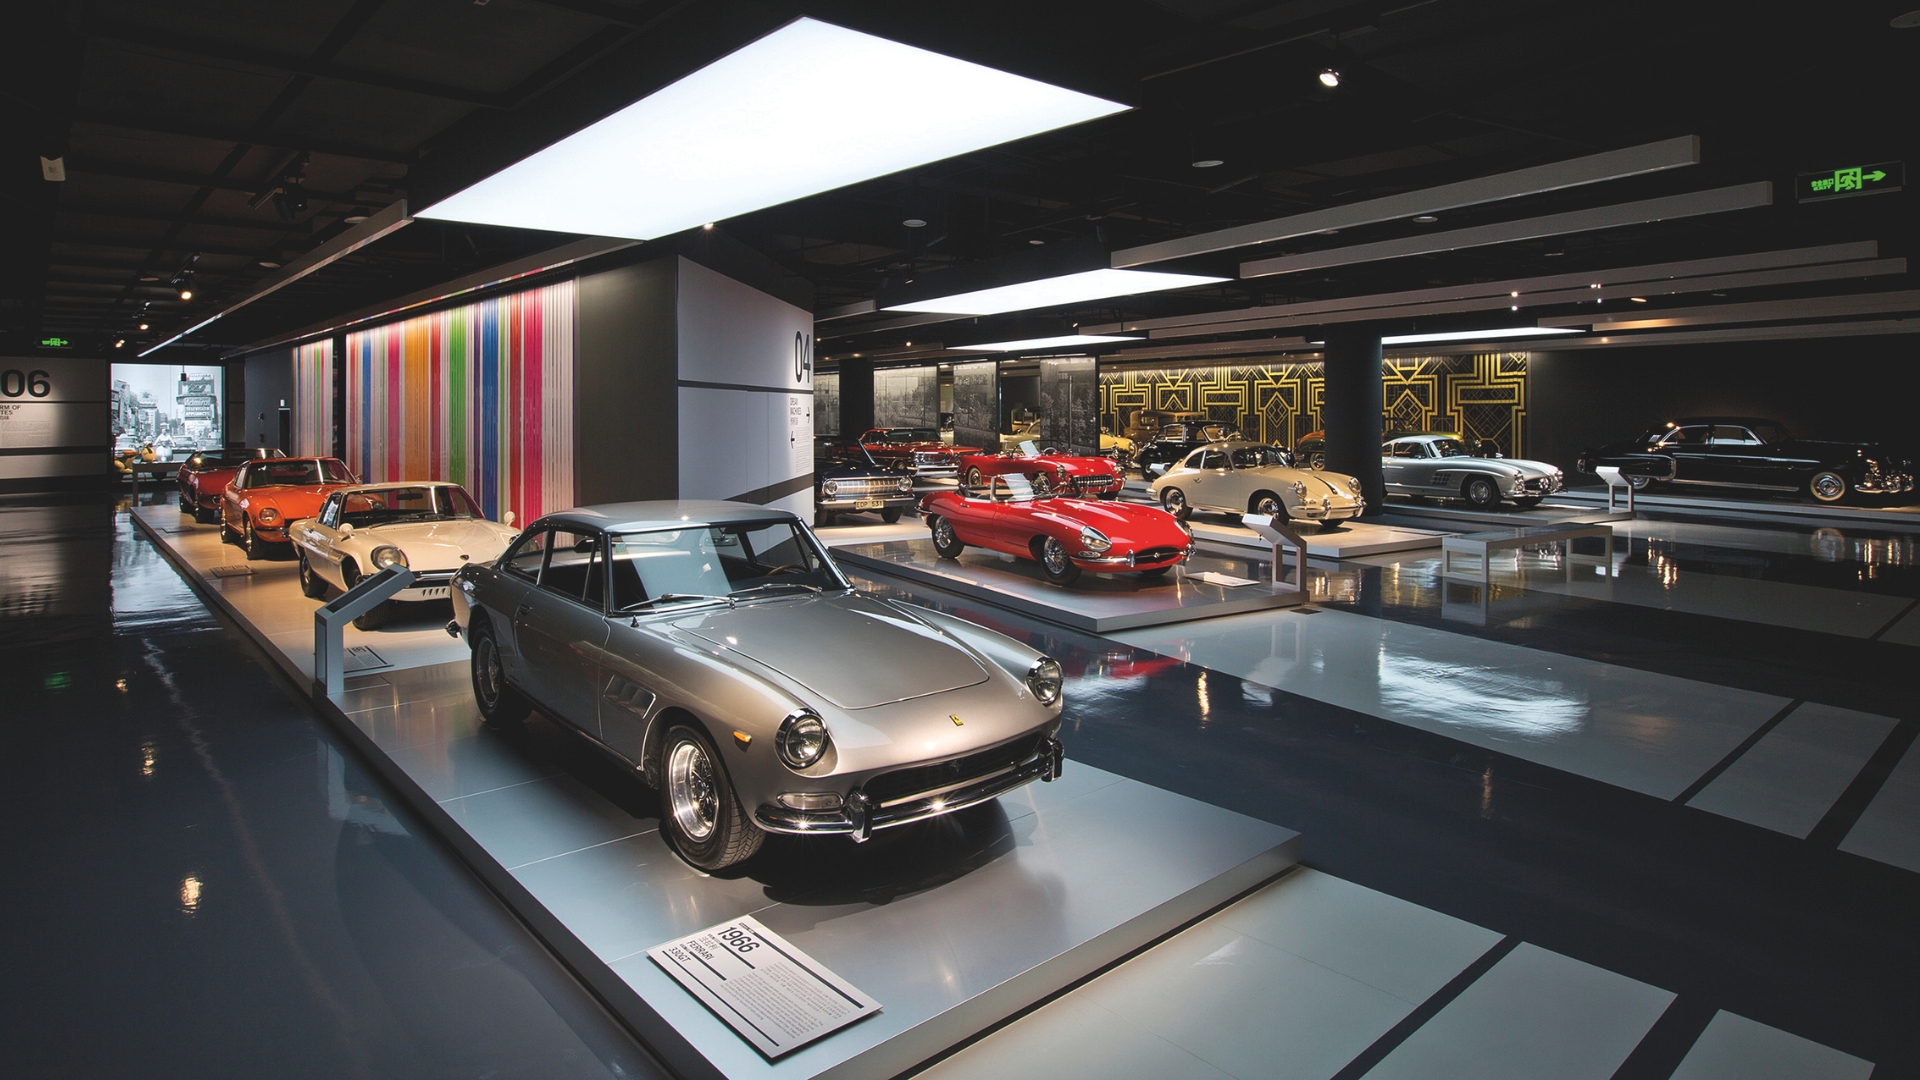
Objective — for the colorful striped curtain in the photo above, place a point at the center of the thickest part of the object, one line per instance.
(313, 399)
(481, 394)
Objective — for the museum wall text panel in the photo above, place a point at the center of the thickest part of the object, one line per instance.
(481, 394)
(1070, 404)
(826, 403)
(54, 418)
(907, 397)
(976, 404)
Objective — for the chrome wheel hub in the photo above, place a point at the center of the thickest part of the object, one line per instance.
(691, 797)
(1829, 486)
(943, 532)
(1269, 506)
(1055, 556)
(489, 672)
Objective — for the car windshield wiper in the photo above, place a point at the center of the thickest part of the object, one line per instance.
(779, 585)
(678, 597)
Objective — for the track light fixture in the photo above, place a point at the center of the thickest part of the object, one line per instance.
(143, 326)
(1329, 78)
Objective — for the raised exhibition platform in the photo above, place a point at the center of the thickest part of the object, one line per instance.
(953, 925)
(1100, 603)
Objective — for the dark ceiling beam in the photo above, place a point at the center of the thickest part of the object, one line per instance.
(304, 228)
(618, 14)
(229, 134)
(157, 38)
(94, 167)
(141, 244)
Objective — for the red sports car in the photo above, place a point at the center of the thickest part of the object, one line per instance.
(204, 475)
(1063, 535)
(1047, 472)
(919, 449)
(264, 496)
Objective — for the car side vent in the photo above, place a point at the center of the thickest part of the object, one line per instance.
(632, 697)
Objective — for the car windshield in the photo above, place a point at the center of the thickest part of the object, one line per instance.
(725, 561)
(832, 451)
(392, 506)
(1012, 487)
(1450, 448)
(1254, 457)
(298, 472)
(911, 435)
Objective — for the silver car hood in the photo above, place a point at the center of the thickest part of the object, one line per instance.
(853, 650)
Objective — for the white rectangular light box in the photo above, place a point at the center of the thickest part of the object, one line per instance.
(1477, 335)
(1055, 292)
(806, 109)
(1067, 341)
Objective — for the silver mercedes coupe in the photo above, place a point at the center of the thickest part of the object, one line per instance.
(716, 648)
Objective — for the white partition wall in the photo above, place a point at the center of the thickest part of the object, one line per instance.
(746, 393)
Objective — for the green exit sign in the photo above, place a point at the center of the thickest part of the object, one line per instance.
(56, 343)
(1852, 180)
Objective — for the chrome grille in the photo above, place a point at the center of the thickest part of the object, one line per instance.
(868, 485)
(1152, 555)
(903, 784)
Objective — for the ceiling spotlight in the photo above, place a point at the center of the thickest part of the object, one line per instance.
(1036, 243)
(1208, 163)
(915, 223)
(1329, 78)
(356, 217)
(143, 326)
(119, 343)
(1425, 219)
(1638, 299)
(708, 227)
(186, 294)
(1515, 293)
(1906, 22)
(267, 264)
(149, 277)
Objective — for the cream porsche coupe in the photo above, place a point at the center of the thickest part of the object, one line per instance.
(1236, 477)
(432, 529)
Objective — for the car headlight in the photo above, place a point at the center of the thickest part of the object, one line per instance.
(802, 739)
(386, 555)
(1353, 484)
(1299, 488)
(1094, 540)
(830, 489)
(269, 516)
(906, 483)
(1044, 680)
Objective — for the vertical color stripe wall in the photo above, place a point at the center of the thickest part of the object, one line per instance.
(313, 399)
(481, 394)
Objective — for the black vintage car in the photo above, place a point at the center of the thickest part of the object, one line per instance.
(847, 479)
(1753, 454)
(1176, 441)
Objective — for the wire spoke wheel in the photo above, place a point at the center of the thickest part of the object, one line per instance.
(691, 796)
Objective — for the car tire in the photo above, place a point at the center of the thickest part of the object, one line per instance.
(1054, 561)
(1268, 503)
(1639, 483)
(312, 585)
(1828, 486)
(1480, 492)
(822, 518)
(500, 704)
(186, 505)
(699, 812)
(1174, 501)
(1317, 460)
(891, 515)
(227, 535)
(1158, 571)
(250, 543)
(946, 542)
(974, 476)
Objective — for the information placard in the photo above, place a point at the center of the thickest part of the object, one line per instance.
(772, 994)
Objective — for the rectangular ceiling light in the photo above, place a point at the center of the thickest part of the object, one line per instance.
(1067, 341)
(1477, 335)
(806, 109)
(1055, 292)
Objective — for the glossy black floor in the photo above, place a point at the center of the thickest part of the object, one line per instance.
(206, 884)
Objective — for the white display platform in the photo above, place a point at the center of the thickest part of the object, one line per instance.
(953, 925)
(1355, 539)
(1101, 603)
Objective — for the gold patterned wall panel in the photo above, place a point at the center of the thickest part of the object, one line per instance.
(1484, 395)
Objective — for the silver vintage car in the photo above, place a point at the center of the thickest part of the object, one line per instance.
(716, 649)
(1443, 466)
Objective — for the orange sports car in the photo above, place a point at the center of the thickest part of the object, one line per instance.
(264, 496)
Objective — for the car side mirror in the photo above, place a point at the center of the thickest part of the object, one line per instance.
(507, 518)
(346, 529)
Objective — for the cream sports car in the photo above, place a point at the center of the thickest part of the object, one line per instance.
(1237, 477)
(433, 529)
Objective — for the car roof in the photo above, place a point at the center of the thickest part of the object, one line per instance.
(1687, 421)
(1233, 444)
(387, 485)
(664, 513)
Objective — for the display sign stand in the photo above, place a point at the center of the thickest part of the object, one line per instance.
(330, 626)
(1275, 532)
(1615, 482)
(769, 992)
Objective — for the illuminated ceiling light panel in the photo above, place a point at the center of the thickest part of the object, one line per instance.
(806, 109)
(1477, 335)
(1055, 292)
(1067, 341)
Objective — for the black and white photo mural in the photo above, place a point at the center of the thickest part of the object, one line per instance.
(826, 403)
(1070, 405)
(976, 404)
(907, 397)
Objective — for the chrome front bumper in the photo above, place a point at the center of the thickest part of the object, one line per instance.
(848, 504)
(858, 817)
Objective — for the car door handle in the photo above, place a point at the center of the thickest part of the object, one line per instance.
(525, 607)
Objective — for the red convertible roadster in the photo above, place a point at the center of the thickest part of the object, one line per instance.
(1046, 471)
(1064, 535)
